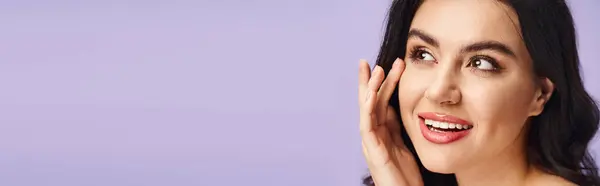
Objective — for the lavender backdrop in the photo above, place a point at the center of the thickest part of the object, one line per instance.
(174, 92)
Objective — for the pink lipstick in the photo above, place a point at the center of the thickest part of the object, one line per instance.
(442, 128)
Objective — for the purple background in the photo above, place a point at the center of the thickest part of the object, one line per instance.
(173, 92)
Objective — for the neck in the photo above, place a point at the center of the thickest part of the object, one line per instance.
(508, 168)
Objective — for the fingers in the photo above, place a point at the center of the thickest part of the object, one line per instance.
(372, 89)
(376, 79)
(367, 113)
(366, 98)
(364, 74)
(388, 86)
(368, 86)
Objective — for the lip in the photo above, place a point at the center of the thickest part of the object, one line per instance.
(443, 117)
(439, 137)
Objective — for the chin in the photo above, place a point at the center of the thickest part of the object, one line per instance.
(438, 167)
(435, 160)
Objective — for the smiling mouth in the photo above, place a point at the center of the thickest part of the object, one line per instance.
(443, 128)
(440, 126)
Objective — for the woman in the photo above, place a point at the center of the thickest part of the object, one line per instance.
(477, 92)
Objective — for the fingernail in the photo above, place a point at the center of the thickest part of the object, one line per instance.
(397, 62)
(362, 60)
(374, 70)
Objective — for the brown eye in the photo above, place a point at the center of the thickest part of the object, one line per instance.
(419, 54)
(483, 63)
(425, 56)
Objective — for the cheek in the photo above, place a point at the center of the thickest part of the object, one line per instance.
(500, 106)
(411, 89)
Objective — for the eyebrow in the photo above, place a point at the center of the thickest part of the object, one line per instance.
(416, 33)
(483, 45)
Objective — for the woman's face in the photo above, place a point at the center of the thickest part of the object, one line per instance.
(468, 88)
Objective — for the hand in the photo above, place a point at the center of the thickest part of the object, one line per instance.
(390, 162)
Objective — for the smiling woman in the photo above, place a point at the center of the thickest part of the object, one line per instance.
(477, 92)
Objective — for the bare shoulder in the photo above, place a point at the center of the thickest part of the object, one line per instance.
(550, 180)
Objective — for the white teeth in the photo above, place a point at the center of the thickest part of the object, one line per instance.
(445, 125)
(436, 124)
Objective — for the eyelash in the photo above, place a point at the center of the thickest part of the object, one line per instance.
(416, 55)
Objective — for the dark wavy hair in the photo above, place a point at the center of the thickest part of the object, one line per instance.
(558, 138)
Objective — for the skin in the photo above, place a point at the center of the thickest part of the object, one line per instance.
(495, 90)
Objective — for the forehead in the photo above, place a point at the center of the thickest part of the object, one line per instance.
(467, 21)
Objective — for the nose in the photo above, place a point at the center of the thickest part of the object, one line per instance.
(444, 89)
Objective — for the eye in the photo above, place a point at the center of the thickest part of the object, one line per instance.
(425, 56)
(483, 63)
(420, 55)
